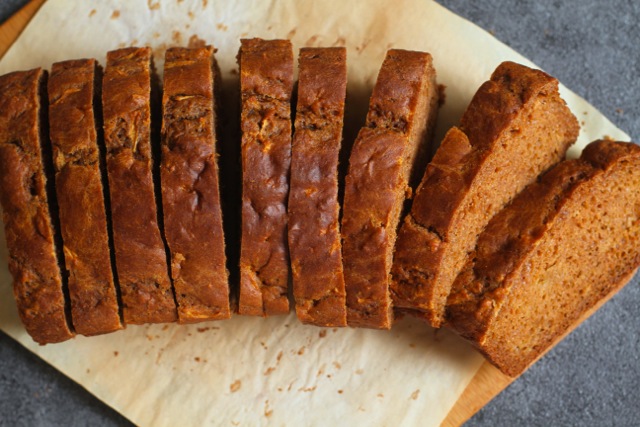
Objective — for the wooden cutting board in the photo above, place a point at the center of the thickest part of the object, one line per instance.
(488, 381)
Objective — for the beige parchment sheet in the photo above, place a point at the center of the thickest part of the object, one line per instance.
(252, 371)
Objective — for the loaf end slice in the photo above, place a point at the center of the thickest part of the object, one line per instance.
(399, 126)
(563, 244)
(190, 190)
(266, 85)
(314, 225)
(29, 209)
(515, 127)
(141, 258)
(79, 188)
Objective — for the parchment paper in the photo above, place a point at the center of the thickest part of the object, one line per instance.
(252, 371)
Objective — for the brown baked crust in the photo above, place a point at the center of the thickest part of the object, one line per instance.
(189, 182)
(518, 114)
(141, 260)
(564, 243)
(83, 221)
(34, 261)
(399, 125)
(314, 233)
(266, 83)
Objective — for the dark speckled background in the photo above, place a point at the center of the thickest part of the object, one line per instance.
(589, 379)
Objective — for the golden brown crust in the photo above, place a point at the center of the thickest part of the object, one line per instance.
(83, 221)
(399, 124)
(518, 114)
(563, 244)
(266, 83)
(190, 193)
(314, 234)
(141, 259)
(34, 261)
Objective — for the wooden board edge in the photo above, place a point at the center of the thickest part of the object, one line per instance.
(484, 386)
(13, 27)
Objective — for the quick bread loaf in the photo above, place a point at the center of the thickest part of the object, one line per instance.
(395, 138)
(141, 220)
(73, 108)
(29, 209)
(141, 259)
(515, 127)
(563, 244)
(314, 211)
(189, 182)
(266, 85)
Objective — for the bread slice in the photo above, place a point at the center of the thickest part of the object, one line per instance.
(29, 207)
(563, 244)
(189, 182)
(399, 124)
(79, 187)
(314, 227)
(141, 259)
(266, 83)
(515, 127)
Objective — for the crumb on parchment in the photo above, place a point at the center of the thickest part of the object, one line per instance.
(235, 386)
(176, 37)
(267, 410)
(196, 42)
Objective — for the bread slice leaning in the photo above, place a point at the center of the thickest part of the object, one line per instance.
(29, 208)
(395, 138)
(515, 127)
(141, 258)
(564, 243)
(73, 102)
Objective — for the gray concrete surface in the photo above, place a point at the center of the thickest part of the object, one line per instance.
(592, 377)
(9, 7)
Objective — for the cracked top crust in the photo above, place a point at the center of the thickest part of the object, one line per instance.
(266, 84)
(190, 193)
(314, 229)
(141, 259)
(83, 220)
(26, 198)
